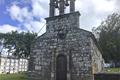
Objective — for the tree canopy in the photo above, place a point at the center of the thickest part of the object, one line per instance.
(19, 44)
(108, 34)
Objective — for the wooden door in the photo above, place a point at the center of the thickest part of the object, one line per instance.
(61, 67)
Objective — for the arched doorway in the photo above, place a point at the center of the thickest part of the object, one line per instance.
(61, 67)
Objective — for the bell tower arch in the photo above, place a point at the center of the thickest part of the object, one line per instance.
(61, 5)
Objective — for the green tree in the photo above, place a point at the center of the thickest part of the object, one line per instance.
(108, 34)
(19, 44)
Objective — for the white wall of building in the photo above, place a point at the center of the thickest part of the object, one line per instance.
(10, 65)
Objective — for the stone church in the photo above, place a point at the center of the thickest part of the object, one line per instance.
(64, 51)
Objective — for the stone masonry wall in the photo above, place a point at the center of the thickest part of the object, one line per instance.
(97, 59)
(63, 36)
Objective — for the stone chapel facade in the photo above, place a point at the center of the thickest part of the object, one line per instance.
(65, 52)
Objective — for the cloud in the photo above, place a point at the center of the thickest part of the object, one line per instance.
(38, 11)
(36, 26)
(14, 12)
(40, 8)
(104, 5)
(117, 4)
(26, 18)
(7, 28)
(19, 14)
(92, 12)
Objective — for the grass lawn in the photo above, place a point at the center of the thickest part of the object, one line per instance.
(12, 77)
(112, 70)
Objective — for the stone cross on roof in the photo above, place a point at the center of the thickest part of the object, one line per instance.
(61, 5)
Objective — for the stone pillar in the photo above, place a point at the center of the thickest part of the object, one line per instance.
(72, 6)
(52, 8)
(62, 7)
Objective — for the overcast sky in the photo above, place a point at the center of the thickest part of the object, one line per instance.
(28, 15)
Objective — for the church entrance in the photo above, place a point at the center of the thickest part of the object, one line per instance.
(61, 67)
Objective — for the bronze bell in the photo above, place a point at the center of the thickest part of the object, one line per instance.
(66, 3)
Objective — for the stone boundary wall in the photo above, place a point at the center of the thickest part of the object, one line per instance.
(107, 76)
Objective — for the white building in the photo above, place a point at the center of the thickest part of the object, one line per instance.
(12, 65)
